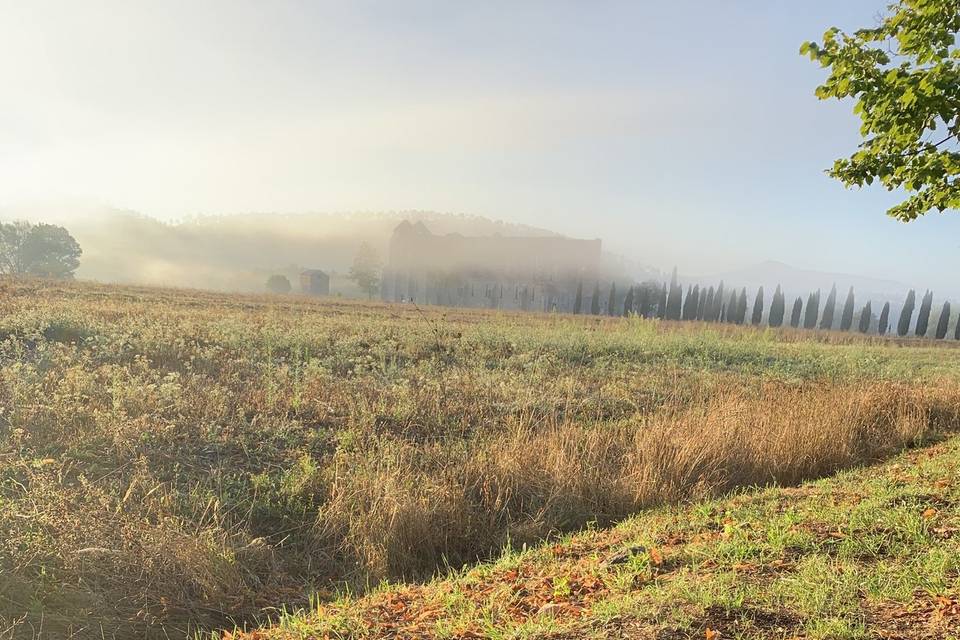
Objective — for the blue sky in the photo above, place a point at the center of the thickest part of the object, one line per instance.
(679, 132)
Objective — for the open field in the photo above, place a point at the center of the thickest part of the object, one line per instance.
(172, 461)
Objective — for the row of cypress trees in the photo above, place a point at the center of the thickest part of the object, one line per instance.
(655, 300)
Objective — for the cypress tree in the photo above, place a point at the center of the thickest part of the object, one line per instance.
(742, 306)
(846, 320)
(718, 303)
(701, 303)
(826, 322)
(923, 319)
(595, 300)
(813, 311)
(695, 303)
(662, 303)
(808, 322)
(944, 321)
(884, 319)
(757, 307)
(612, 299)
(733, 304)
(956, 331)
(795, 314)
(865, 315)
(687, 301)
(777, 308)
(707, 314)
(628, 302)
(674, 298)
(643, 301)
(906, 314)
(578, 300)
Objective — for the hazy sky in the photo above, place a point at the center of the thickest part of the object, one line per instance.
(679, 132)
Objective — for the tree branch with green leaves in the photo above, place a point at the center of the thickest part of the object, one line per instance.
(904, 78)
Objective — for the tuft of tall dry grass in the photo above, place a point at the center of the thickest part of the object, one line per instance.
(397, 517)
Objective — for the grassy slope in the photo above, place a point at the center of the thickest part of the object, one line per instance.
(870, 553)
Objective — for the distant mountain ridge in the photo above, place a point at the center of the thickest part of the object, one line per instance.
(796, 281)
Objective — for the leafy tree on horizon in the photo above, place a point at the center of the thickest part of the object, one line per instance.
(944, 321)
(628, 302)
(662, 303)
(846, 318)
(40, 250)
(884, 319)
(366, 269)
(906, 314)
(904, 78)
(278, 284)
(829, 309)
(757, 315)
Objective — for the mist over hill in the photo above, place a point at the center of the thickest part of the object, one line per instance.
(238, 252)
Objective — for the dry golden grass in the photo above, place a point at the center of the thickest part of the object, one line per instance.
(173, 461)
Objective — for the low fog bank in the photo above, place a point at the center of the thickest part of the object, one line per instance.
(239, 252)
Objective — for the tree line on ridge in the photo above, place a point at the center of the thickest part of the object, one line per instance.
(709, 304)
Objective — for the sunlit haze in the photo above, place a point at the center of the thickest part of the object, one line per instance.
(679, 133)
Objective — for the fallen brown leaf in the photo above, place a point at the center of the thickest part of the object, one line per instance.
(656, 557)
